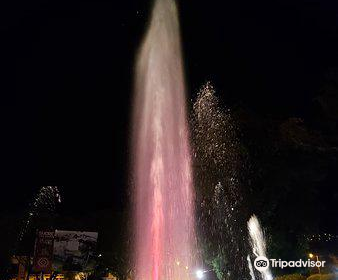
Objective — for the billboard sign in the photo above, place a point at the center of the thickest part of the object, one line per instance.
(74, 250)
(43, 252)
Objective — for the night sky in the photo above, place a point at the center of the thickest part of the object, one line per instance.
(67, 78)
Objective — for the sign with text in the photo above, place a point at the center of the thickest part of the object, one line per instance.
(43, 252)
(74, 250)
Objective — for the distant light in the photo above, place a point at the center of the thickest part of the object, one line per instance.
(199, 274)
(186, 267)
(100, 255)
(177, 262)
(311, 255)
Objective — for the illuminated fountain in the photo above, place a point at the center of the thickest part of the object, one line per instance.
(163, 196)
(258, 244)
(251, 270)
(219, 165)
(44, 202)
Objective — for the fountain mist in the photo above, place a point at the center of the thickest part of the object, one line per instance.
(219, 173)
(258, 243)
(164, 220)
(45, 201)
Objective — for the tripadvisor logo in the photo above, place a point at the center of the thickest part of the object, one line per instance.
(262, 263)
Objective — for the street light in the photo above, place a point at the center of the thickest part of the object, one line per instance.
(317, 259)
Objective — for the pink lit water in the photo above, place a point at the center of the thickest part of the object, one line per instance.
(163, 196)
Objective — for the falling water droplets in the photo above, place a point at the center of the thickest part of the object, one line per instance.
(164, 204)
(218, 164)
(45, 201)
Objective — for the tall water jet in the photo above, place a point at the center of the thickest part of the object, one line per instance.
(252, 273)
(220, 180)
(163, 197)
(258, 243)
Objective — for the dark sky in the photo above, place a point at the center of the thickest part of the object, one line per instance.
(67, 73)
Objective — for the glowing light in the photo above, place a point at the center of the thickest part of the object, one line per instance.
(177, 262)
(186, 267)
(80, 276)
(311, 255)
(199, 274)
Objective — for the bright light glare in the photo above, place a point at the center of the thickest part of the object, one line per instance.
(199, 274)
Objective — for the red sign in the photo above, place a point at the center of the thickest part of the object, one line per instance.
(43, 252)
